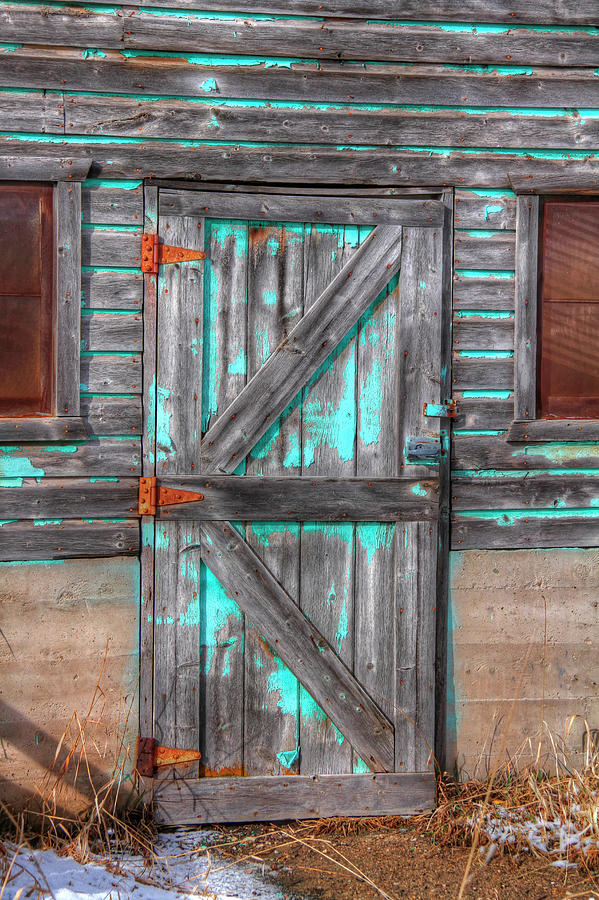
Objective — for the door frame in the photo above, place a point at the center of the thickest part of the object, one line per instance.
(322, 794)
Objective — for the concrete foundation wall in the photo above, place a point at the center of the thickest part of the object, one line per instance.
(523, 642)
(69, 637)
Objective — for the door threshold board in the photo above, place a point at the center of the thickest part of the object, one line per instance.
(188, 801)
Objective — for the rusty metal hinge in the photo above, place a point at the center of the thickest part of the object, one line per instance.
(154, 254)
(448, 410)
(151, 756)
(152, 495)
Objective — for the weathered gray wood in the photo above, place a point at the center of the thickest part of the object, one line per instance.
(582, 181)
(525, 369)
(111, 290)
(29, 111)
(483, 293)
(420, 316)
(553, 430)
(483, 412)
(69, 497)
(299, 644)
(473, 533)
(54, 428)
(309, 343)
(298, 797)
(62, 25)
(530, 491)
(293, 208)
(177, 639)
(478, 333)
(490, 452)
(103, 331)
(111, 205)
(146, 627)
(225, 375)
(67, 213)
(99, 457)
(472, 210)
(55, 168)
(482, 251)
(150, 317)
(327, 591)
(111, 374)
(482, 372)
(275, 289)
(112, 415)
(71, 538)
(103, 247)
(307, 498)
(339, 39)
(416, 600)
(63, 69)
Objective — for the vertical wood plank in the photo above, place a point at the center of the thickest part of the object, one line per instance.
(376, 453)
(224, 375)
(179, 350)
(146, 643)
(328, 448)
(525, 338)
(67, 211)
(275, 302)
(177, 638)
(415, 671)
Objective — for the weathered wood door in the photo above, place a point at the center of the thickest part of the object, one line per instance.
(295, 589)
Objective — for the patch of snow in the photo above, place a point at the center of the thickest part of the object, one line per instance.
(183, 867)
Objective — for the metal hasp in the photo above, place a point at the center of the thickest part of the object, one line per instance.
(151, 756)
(154, 254)
(423, 450)
(447, 410)
(152, 495)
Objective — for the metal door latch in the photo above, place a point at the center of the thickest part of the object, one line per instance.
(423, 450)
(448, 410)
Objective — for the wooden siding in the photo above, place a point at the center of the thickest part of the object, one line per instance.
(436, 99)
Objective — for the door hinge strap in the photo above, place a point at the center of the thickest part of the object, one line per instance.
(448, 410)
(152, 495)
(151, 756)
(154, 254)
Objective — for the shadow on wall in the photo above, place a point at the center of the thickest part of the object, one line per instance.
(523, 631)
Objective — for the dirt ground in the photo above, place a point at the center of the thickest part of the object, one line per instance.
(402, 864)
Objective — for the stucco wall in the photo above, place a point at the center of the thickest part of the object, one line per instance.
(67, 626)
(501, 604)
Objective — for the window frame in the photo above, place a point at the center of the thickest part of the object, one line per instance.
(526, 425)
(65, 176)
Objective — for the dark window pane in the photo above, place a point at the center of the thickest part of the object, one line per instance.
(570, 257)
(26, 300)
(570, 360)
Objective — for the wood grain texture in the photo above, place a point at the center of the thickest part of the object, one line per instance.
(146, 627)
(474, 210)
(54, 428)
(360, 82)
(472, 292)
(553, 430)
(111, 374)
(20, 167)
(490, 452)
(112, 415)
(470, 533)
(31, 111)
(111, 290)
(28, 540)
(484, 373)
(478, 333)
(483, 412)
(296, 208)
(547, 491)
(484, 251)
(527, 248)
(103, 331)
(103, 247)
(313, 498)
(150, 320)
(99, 457)
(107, 205)
(67, 214)
(309, 343)
(299, 644)
(299, 797)
(70, 498)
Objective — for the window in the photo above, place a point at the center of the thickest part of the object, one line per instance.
(26, 300)
(556, 365)
(40, 298)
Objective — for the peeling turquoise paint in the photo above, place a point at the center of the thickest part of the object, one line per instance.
(270, 298)
(484, 314)
(147, 532)
(491, 208)
(375, 536)
(162, 538)
(10, 48)
(215, 615)
(17, 467)
(419, 490)
(342, 627)
(311, 712)
(93, 53)
(486, 354)
(342, 531)
(507, 517)
(288, 758)
(264, 531)
(238, 366)
(293, 457)
(208, 85)
(329, 424)
(484, 273)
(360, 767)
(489, 394)
(558, 453)
(164, 444)
(37, 522)
(283, 682)
(370, 404)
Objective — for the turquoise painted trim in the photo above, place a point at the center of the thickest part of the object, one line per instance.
(485, 314)
(91, 394)
(10, 48)
(214, 61)
(485, 273)
(522, 473)
(486, 354)
(491, 394)
(92, 311)
(471, 432)
(509, 516)
(485, 232)
(120, 183)
(491, 192)
(110, 353)
(122, 270)
(89, 226)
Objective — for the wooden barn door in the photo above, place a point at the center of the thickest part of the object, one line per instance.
(296, 504)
